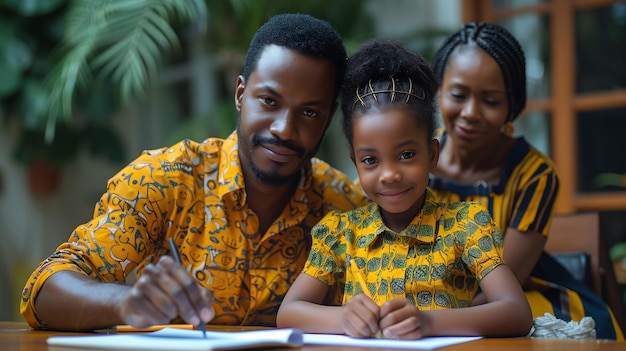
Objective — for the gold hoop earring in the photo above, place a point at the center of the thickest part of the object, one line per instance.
(508, 129)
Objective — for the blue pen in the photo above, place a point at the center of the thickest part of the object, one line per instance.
(177, 259)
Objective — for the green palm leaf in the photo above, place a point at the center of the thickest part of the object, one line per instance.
(122, 39)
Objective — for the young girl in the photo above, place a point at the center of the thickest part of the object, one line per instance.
(422, 261)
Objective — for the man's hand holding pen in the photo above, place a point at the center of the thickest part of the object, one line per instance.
(163, 292)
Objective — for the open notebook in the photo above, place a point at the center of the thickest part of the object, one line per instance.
(184, 340)
(192, 340)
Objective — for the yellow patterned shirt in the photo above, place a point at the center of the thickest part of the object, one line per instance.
(194, 192)
(436, 262)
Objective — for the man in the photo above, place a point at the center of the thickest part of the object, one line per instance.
(240, 209)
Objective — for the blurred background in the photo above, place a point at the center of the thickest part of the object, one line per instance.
(87, 85)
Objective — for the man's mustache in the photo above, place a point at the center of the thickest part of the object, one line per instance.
(258, 140)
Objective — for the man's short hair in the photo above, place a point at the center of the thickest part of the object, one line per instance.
(303, 33)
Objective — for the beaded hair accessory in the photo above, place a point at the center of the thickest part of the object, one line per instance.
(393, 91)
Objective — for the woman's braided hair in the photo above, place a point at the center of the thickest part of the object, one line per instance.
(500, 44)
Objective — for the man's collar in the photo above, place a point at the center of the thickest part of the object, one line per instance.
(230, 177)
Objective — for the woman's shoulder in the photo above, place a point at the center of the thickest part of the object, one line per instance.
(527, 164)
(524, 154)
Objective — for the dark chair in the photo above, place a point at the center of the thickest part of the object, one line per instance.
(575, 240)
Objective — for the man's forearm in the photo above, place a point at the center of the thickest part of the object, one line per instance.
(71, 301)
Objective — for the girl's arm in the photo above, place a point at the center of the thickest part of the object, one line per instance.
(521, 253)
(505, 314)
(303, 308)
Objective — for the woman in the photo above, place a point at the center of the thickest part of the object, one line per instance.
(481, 71)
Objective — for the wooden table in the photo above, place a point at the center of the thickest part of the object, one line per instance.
(17, 336)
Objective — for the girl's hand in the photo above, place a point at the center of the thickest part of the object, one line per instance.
(360, 317)
(400, 319)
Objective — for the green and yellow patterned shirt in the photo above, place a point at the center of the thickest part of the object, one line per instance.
(436, 262)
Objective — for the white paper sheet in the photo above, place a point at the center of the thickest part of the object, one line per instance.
(184, 340)
(421, 344)
(192, 340)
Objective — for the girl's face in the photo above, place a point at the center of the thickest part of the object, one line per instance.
(472, 99)
(393, 155)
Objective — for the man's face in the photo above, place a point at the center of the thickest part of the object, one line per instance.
(284, 110)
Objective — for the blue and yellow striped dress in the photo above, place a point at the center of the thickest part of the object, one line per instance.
(524, 199)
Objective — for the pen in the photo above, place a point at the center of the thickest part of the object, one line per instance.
(361, 279)
(177, 259)
(128, 328)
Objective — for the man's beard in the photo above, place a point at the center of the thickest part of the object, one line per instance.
(271, 177)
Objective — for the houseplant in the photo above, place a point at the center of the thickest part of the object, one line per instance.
(67, 66)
